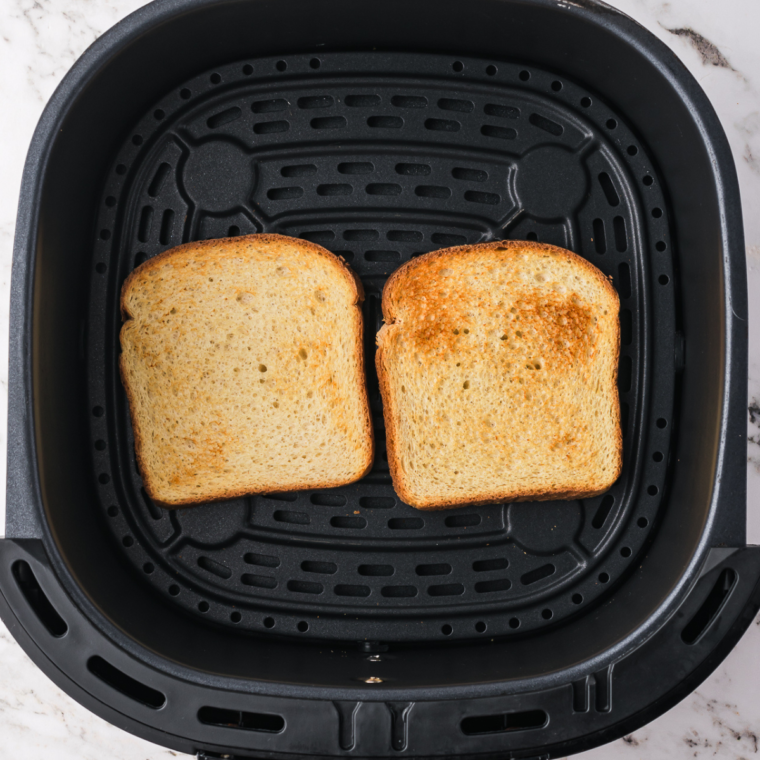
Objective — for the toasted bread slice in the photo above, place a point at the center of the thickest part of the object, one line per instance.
(498, 372)
(242, 360)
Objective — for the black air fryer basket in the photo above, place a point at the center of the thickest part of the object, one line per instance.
(344, 622)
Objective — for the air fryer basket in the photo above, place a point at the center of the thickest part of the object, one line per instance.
(345, 622)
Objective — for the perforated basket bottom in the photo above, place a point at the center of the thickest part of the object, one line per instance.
(380, 157)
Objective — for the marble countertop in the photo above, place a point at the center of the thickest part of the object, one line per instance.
(41, 39)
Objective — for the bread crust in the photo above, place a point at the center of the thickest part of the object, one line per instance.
(230, 245)
(390, 409)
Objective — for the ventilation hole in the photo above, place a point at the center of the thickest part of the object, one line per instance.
(362, 101)
(137, 140)
(101, 268)
(348, 522)
(621, 239)
(657, 456)
(662, 423)
(663, 279)
(385, 122)
(159, 178)
(387, 256)
(305, 587)
(489, 587)
(409, 101)
(432, 191)
(346, 255)
(480, 627)
(576, 599)
(547, 614)
(268, 622)
(642, 522)
(445, 239)
(270, 127)
(140, 258)
(547, 125)
(457, 66)
(258, 581)
(104, 478)
(167, 222)
(323, 568)
(377, 502)
(121, 169)
(269, 106)
(454, 104)
(469, 175)
(346, 589)
(233, 231)
(148, 568)
(514, 622)
(447, 630)
(624, 274)
(146, 221)
(236, 719)
(625, 374)
(624, 418)
(626, 327)
(556, 85)
(329, 122)
(502, 111)
(524, 76)
(113, 511)
(284, 193)
(442, 125)
(174, 590)
(491, 71)
(314, 63)
(632, 150)
(404, 236)
(185, 94)
(609, 189)
(328, 499)
(124, 684)
(413, 170)
(288, 496)
(534, 576)
(531, 236)
(647, 180)
(236, 617)
(292, 518)
(600, 244)
(247, 70)
(446, 589)
(334, 190)
(474, 196)
(488, 565)
(586, 102)
(711, 607)
(100, 445)
(110, 201)
(602, 512)
(356, 167)
(361, 235)
(224, 117)
(158, 114)
(625, 552)
(98, 411)
(660, 246)
(281, 65)
(262, 560)
(316, 101)
(105, 234)
(462, 521)
(28, 585)
(398, 592)
(216, 568)
(653, 490)
(502, 133)
(604, 577)
(406, 523)
(203, 606)
(438, 569)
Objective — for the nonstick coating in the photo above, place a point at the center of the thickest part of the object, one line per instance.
(382, 157)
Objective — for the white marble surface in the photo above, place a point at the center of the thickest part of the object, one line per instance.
(40, 39)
